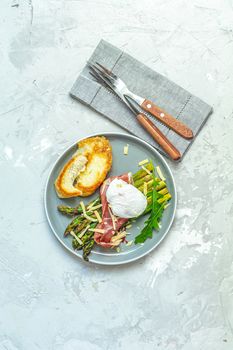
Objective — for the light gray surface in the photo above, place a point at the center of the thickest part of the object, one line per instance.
(138, 150)
(179, 297)
(146, 83)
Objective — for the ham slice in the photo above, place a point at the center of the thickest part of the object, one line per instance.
(104, 239)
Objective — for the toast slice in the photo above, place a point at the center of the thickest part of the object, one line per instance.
(86, 170)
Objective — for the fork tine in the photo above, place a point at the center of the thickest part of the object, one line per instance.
(106, 71)
(104, 84)
(94, 68)
(97, 71)
(95, 77)
(106, 75)
(100, 76)
(100, 80)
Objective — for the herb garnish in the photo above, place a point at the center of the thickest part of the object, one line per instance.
(152, 223)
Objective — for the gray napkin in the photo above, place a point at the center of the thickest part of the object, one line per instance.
(144, 82)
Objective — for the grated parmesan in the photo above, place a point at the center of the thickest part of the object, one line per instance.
(115, 244)
(90, 206)
(143, 162)
(159, 172)
(113, 219)
(117, 237)
(103, 187)
(83, 231)
(85, 214)
(146, 170)
(126, 150)
(94, 208)
(98, 216)
(76, 237)
(129, 243)
(145, 188)
(98, 230)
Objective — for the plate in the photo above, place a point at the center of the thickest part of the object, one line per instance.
(138, 150)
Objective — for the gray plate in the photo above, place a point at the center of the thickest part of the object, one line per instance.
(138, 150)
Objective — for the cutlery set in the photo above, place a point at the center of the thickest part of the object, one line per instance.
(141, 107)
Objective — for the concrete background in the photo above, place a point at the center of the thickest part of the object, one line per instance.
(179, 297)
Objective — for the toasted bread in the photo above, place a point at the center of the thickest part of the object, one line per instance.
(86, 170)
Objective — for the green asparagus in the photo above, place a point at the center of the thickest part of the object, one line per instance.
(70, 211)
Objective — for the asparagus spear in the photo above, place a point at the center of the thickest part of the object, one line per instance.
(165, 198)
(160, 185)
(70, 211)
(72, 226)
(85, 239)
(141, 173)
(141, 181)
(163, 191)
(87, 249)
(81, 226)
(79, 223)
(65, 209)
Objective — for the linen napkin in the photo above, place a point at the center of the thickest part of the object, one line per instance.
(144, 82)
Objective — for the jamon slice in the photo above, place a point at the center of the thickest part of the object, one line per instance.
(104, 239)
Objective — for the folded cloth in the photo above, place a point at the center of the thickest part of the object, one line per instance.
(144, 82)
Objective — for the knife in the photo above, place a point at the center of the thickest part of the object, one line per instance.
(145, 122)
(120, 88)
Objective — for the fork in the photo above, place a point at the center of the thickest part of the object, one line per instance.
(146, 123)
(120, 88)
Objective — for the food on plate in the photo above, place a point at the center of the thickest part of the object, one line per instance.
(87, 168)
(110, 223)
(65, 182)
(159, 172)
(143, 162)
(126, 150)
(125, 200)
(156, 210)
(106, 219)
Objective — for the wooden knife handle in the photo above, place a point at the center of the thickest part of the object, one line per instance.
(165, 118)
(159, 137)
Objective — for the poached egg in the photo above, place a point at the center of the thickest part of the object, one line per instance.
(126, 201)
